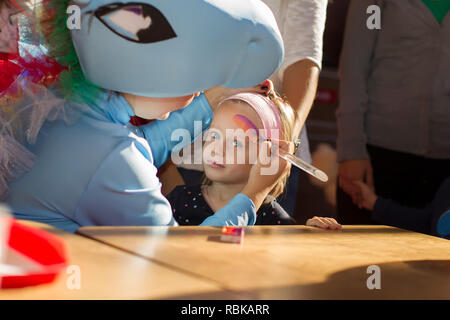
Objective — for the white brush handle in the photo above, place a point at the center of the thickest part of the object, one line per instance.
(319, 174)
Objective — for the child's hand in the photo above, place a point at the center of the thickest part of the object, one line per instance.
(270, 168)
(266, 172)
(324, 223)
(368, 196)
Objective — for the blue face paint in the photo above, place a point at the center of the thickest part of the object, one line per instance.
(160, 48)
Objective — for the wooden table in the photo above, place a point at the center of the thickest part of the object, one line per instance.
(295, 262)
(109, 273)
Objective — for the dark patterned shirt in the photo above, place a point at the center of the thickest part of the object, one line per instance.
(189, 207)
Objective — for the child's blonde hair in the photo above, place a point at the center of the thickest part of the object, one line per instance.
(288, 120)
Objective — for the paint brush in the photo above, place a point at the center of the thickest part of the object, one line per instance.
(246, 124)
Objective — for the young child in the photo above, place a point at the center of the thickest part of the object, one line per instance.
(193, 204)
(433, 219)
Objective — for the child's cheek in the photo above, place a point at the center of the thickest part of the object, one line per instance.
(238, 173)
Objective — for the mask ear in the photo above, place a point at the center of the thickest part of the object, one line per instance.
(140, 23)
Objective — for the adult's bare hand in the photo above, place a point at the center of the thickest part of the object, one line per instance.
(217, 94)
(355, 170)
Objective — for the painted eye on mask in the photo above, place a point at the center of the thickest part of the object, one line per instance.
(137, 22)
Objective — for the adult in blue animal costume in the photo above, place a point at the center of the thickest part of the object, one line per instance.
(84, 163)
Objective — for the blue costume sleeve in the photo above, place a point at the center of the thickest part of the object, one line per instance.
(159, 133)
(125, 191)
(240, 211)
(443, 225)
(431, 219)
(393, 214)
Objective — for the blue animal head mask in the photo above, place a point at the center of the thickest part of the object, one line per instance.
(170, 48)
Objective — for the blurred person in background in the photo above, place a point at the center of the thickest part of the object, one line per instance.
(394, 113)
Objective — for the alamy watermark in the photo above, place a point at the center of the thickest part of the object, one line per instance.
(74, 17)
(374, 20)
(235, 147)
(73, 281)
(374, 281)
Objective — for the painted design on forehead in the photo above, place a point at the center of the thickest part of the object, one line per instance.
(244, 123)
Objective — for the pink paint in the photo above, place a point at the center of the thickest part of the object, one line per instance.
(244, 123)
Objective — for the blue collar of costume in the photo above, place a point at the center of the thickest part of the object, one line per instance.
(111, 106)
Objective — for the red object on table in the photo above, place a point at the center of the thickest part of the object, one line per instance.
(44, 248)
(232, 234)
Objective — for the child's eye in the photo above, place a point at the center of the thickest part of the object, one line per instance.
(212, 135)
(236, 143)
